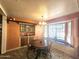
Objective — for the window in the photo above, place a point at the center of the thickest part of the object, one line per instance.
(60, 31)
(57, 32)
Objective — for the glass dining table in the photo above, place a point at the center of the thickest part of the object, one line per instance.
(40, 47)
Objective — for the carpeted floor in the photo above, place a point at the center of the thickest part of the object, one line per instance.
(22, 54)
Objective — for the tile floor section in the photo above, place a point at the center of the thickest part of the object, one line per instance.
(22, 54)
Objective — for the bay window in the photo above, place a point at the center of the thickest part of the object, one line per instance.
(59, 31)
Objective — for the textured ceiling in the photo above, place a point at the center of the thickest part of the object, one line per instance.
(36, 8)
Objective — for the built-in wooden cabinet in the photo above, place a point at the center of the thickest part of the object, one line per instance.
(26, 27)
(27, 33)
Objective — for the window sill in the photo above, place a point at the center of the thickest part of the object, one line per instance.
(62, 42)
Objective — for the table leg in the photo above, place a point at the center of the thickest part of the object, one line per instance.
(38, 54)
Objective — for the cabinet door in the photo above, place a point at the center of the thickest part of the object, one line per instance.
(24, 41)
(30, 28)
(24, 27)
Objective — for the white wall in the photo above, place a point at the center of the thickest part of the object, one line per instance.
(39, 31)
(4, 34)
(4, 29)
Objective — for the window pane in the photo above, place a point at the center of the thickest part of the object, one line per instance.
(54, 31)
(57, 32)
(60, 31)
(50, 31)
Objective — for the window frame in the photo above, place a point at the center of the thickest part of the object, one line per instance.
(66, 29)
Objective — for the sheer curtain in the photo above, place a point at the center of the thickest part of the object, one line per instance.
(57, 32)
(69, 33)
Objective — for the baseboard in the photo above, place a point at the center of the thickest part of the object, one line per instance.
(15, 49)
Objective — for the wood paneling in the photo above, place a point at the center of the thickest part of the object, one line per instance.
(13, 34)
(26, 20)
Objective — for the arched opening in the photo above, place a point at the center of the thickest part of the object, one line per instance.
(0, 31)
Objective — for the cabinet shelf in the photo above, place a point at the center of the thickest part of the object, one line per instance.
(27, 32)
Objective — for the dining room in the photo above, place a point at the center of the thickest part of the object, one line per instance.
(39, 29)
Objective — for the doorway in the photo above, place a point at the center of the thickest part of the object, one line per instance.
(0, 31)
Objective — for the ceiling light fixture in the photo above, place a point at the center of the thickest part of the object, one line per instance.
(42, 22)
(12, 19)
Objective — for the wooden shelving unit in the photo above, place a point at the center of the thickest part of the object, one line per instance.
(27, 32)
